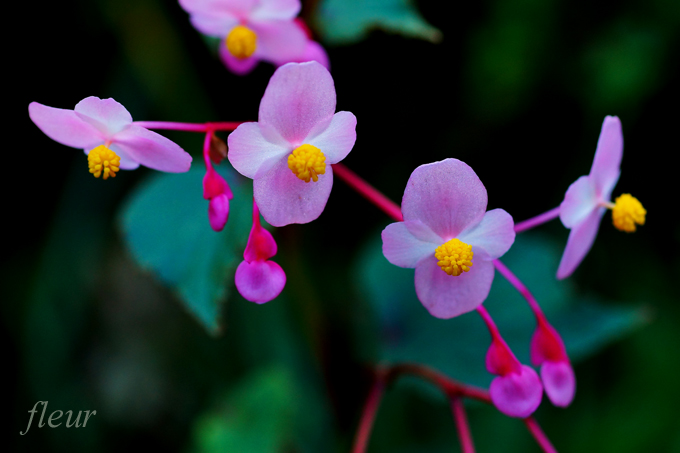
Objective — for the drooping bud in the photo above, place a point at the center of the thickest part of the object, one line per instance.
(548, 352)
(218, 212)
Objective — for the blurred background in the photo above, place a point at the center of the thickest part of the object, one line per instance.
(117, 297)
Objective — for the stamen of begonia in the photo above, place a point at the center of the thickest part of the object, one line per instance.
(102, 160)
(454, 257)
(307, 162)
(241, 42)
(628, 212)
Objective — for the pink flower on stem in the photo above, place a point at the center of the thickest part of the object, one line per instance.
(258, 279)
(548, 352)
(215, 189)
(448, 237)
(517, 391)
(588, 198)
(288, 153)
(251, 30)
(104, 129)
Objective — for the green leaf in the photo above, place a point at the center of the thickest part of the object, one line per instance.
(349, 21)
(458, 346)
(165, 225)
(255, 416)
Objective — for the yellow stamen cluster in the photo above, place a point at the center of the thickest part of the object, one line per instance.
(241, 42)
(103, 160)
(307, 162)
(627, 212)
(455, 257)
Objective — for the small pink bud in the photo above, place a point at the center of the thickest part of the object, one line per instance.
(214, 185)
(218, 212)
(517, 394)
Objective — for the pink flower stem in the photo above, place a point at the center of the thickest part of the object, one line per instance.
(369, 192)
(189, 127)
(493, 330)
(519, 286)
(538, 220)
(462, 426)
(452, 389)
(369, 413)
(206, 148)
(541, 439)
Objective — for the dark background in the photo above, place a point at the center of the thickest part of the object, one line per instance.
(516, 89)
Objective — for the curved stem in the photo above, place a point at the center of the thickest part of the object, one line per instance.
(538, 434)
(206, 148)
(369, 413)
(189, 127)
(538, 220)
(462, 426)
(369, 192)
(520, 287)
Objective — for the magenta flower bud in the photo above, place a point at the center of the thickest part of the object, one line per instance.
(218, 212)
(548, 351)
(214, 185)
(258, 279)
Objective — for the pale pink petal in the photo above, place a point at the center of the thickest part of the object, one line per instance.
(337, 140)
(64, 126)
(559, 382)
(313, 52)
(126, 162)
(278, 41)
(251, 154)
(259, 281)
(447, 196)
(607, 163)
(261, 245)
(283, 198)
(579, 202)
(237, 8)
(217, 25)
(239, 66)
(517, 394)
(446, 296)
(298, 98)
(276, 9)
(494, 234)
(423, 232)
(152, 150)
(403, 249)
(107, 115)
(580, 240)
(218, 212)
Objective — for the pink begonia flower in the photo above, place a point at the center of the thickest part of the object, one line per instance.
(588, 198)
(548, 352)
(448, 237)
(517, 391)
(103, 128)
(288, 153)
(258, 279)
(250, 30)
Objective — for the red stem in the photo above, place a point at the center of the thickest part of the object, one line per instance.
(190, 127)
(369, 192)
(538, 220)
(369, 413)
(521, 288)
(541, 439)
(206, 148)
(462, 426)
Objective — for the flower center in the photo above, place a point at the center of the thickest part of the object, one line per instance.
(103, 160)
(627, 212)
(306, 162)
(455, 257)
(241, 42)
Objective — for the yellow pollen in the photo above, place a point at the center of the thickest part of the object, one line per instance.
(103, 160)
(241, 42)
(627, 212)
(307, 162)
(454, 257)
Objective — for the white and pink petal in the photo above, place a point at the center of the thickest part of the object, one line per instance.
(580, 241)
(447, 196)
(402, 248)
(494, 235)
(579, 202)
(107, 115)
(64, 126)
(152, 150)
(607, 162)
(251, 154)
(338, 139)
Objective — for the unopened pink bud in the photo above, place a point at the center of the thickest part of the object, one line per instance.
(218, 212)
(214, 185)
